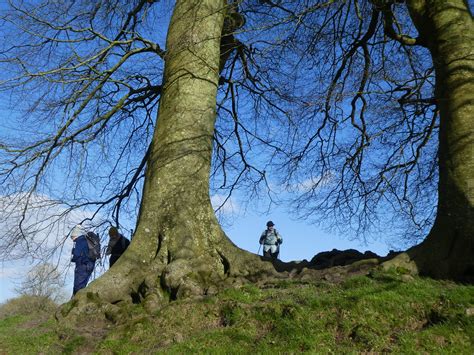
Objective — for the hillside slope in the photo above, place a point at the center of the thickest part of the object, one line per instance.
(377, 312)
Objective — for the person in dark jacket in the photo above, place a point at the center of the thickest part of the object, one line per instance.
(80, 256)
(117, 245)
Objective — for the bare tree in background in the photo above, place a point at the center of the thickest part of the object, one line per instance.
(43, 280)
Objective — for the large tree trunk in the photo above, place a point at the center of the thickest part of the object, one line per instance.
(446, 26)
(178, 248)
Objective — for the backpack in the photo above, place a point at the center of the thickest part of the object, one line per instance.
(93, 242)
(263, 237)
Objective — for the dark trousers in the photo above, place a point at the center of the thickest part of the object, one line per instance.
(269, 254)
(113, 259)
(82, 273)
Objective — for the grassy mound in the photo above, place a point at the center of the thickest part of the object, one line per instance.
(380, 312)
(26, 325)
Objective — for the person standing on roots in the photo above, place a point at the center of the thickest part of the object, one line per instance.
(271, 240)
(117, 245)
(80, 256)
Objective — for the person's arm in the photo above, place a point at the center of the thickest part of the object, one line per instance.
(279, 238)
(73, 253)
(262, 237)
(81, 250)
(124, 243)
(108, 250)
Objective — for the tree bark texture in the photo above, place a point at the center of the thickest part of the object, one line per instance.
(178, 248)
(447, 28)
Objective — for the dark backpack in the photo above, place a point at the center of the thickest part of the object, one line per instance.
(93, 242)
(262, 238)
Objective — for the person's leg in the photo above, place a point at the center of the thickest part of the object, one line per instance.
(275, 254)
(270, 253)
(76, 278)
(112, 260)
(81, 276)
(90, 269)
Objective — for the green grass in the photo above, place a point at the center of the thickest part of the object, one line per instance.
(26, 326)
(22, 335)
(383, 312)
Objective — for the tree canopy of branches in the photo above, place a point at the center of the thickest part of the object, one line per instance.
(379, 94)
(359, 106)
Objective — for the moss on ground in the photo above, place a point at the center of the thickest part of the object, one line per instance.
(381, 312)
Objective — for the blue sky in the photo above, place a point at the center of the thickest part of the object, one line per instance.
(301, 241)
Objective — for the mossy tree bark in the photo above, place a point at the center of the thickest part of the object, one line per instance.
(178, 248)
(447, 29)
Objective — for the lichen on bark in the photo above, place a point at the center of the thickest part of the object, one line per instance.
(447, 29)
(178, 248)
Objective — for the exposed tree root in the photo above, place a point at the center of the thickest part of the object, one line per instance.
(161, 281)
(165, 277)
(446, 253)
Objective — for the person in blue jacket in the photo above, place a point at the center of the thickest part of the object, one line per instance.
(80, 256)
